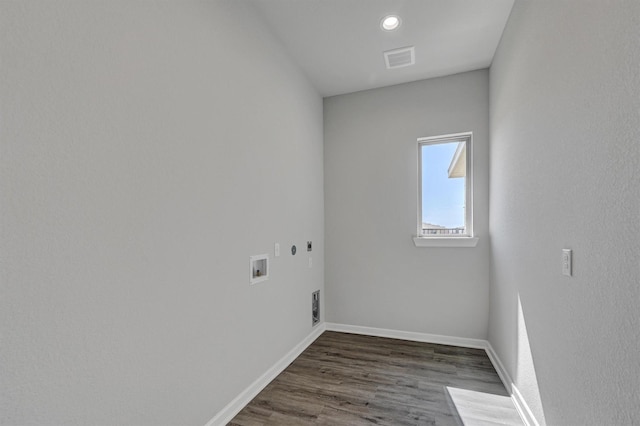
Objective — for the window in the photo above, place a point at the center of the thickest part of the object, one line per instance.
(445, 199)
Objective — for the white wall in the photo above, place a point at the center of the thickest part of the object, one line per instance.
(565, 120)
(375, 276)
(148, 149)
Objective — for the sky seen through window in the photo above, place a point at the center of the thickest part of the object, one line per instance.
(443, 198)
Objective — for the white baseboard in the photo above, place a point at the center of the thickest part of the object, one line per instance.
(518, 400)
(409, 335)
(239, 402)
(522, 407)
(497, 364)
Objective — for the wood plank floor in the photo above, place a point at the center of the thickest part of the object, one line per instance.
(348, 379)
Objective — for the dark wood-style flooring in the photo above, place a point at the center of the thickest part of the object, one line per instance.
(348, 379)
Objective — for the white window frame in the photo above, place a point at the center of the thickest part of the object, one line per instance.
(468, 239)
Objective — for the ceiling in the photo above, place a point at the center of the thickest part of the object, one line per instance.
(339, 43)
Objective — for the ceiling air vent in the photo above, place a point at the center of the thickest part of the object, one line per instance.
(399, 58)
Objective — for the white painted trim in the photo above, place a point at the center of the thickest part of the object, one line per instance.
(522, 407)
(497, 364)
(468, 220)
(408, 335)
(518, 400)
(238, 403)
(445, 242)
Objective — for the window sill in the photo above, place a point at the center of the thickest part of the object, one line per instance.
(445, 242)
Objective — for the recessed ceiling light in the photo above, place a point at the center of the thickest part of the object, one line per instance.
(390, 22)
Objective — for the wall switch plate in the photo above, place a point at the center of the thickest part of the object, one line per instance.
(310, 262)
(276, 249)
(566, 262)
